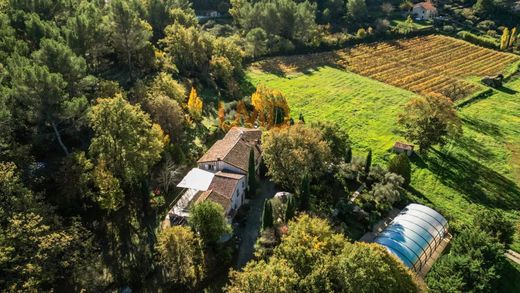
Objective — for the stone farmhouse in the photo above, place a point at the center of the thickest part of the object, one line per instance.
(424, 10)
(221, 175)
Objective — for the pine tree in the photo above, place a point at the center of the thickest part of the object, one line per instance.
(512, 38)
(267, 216)
(504, 40)
(195, 103)
(368, 162)
(251, 173)
(305, 194)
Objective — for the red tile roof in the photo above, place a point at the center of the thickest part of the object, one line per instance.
(403, 146)
(225, 184)
(426, 6)
(215, 197)
(234, 148)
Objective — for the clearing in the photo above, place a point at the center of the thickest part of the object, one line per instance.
(480, 170)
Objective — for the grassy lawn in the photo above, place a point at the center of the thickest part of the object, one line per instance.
(364, 107)
(479, 170)
(417, 24)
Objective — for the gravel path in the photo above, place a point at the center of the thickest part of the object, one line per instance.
(249, 233)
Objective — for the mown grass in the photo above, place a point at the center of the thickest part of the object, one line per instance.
(478, 170)
(364, 107)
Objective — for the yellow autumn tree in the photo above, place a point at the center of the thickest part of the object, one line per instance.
(512, 38)
(195, 104)
(504, 40)
(242, 116)
(221, 115)
(270, 106)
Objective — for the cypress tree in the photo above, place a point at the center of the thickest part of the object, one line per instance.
(512, 38)
(504, 40)
(301, 118)
(290, 210)
(305, 194)
(348, 155)
(251, 173)
(267, 216)
(368, 163)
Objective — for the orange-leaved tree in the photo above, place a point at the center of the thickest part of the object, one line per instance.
(270, 106)
(195, 104)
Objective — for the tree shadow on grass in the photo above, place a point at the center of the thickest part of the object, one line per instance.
(303, 64)
(482, 126)
(417, 195)
(473, 147)
(506, 90)
(477, 182)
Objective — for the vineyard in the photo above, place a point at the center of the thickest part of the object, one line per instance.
(428, 65)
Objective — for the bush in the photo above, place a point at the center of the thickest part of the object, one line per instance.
(479, 40)
(361, 33)
(400, 165)
(474, 264)
(448, 28)
(495, 224)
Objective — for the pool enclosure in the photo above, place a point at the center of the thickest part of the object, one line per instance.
(414, 235)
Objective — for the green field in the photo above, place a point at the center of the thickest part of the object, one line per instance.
(364, 107)
(479, 170)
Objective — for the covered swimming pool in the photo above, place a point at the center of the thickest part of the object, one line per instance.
(414, 235)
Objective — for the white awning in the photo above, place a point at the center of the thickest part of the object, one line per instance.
(197, 179)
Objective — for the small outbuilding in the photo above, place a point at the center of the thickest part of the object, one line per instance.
(401, 147)
(424, 11)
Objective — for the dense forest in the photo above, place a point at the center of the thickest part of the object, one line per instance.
(105, 103)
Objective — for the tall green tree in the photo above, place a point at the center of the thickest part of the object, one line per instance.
(496, 224)
(129, 33)
(336, 137)
(124, 139)
(59, 58)
(368, 162)
(303, 146)
(400, 165)
(267, 215)
(290, 209)
(305, 194)
(474, 264)
(357, 10)
(429, 121)
(181, 255)
(251, 173)
(207, 219)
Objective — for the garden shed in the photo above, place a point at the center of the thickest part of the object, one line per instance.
(415, 236)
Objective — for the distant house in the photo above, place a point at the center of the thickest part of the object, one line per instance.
(515, 7)
(203, 15)
(424, 10)
(221, 175)
(400, 147)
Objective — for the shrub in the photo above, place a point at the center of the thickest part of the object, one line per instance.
(400, 165)
(494, 223)
(478, 40)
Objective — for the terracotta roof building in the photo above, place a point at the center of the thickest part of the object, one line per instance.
(424, 10)
(221, 175)
(232, 152)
